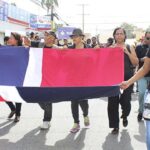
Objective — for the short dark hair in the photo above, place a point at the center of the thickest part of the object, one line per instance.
(94, 37)
(52, 33)
(110, 40)
(147, 32)
(17, 37)
(6, 38)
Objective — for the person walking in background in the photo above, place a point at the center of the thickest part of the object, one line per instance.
(15, 40)
(130, 60)
(77, 37)
(141, 51)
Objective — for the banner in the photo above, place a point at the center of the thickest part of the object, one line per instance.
(3, 10)
(63, 74)
(64, 32)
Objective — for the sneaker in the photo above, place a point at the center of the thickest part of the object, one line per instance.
(86, 121)
(45, 125)
(17, 119)
(75, 128)
(139, 117)
(11, 114)
(115, 131)
(125, 122)
(121, 116)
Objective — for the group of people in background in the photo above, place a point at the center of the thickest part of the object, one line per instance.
(134, 56)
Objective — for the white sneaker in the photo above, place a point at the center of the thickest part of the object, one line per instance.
(45, 125)
(86, 121)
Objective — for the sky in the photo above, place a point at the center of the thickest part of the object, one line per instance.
(105, 14)
(100, 15)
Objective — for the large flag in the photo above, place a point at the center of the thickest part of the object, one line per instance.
(41, 75)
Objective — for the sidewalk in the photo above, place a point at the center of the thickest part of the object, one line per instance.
(26, 134)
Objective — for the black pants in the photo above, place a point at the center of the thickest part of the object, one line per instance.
(113, 107)
(47, 107)
(16, 108)
(75, 109)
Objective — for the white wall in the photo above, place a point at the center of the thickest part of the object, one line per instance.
(7, 27)
(29, 6)
(1, 38)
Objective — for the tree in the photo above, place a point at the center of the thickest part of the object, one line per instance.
(50, 4)
(129, 30)
(148, 29)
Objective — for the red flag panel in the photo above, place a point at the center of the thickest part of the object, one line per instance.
(82, 67)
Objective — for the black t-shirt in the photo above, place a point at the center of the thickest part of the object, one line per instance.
(142, 51)
(93, 45)
(148, 55)
(35, 43)
(128, 67)
(48, 46)
(73, 46)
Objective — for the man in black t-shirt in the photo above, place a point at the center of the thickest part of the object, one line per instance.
(142, 50)
(94, 42)
(49, 42)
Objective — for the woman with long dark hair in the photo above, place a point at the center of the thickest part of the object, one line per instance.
(130, 60)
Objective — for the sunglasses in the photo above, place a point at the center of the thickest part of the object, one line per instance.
(147, 38)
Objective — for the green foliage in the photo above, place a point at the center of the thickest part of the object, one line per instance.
(49, 4)
(129, 30)
(148, 29)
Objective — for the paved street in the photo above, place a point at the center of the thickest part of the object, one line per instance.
(26, 134)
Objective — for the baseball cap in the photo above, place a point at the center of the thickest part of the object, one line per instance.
(77, 32)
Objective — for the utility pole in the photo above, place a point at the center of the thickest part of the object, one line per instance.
(83, 15)
(52, 17)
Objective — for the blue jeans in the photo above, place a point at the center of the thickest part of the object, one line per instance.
(142, 86)
(148, 134)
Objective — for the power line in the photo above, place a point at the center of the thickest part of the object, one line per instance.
(108, 22)
(83, 15)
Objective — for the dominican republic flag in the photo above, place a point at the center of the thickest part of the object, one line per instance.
(53, 75)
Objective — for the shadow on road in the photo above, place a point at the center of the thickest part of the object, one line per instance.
(113, 142)
(5, 127)
(36, 139)
(141, 136)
